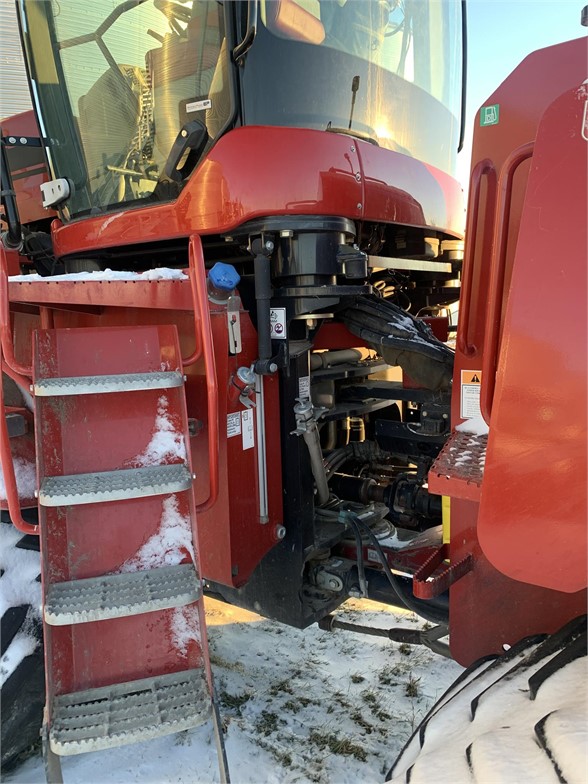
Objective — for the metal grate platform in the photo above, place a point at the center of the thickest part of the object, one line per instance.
(114, 485)
(91, 385)
(459, 469)
(128, 712)
(120, 595)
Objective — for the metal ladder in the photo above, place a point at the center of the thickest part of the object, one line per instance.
(125, 634)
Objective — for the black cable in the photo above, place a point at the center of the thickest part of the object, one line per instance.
(396, 586)
(348, 517)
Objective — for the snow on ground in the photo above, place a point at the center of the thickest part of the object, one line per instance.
(26, 479)
(297, 706)
(18, 586)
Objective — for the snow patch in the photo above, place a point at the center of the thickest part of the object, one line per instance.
(21, 646)
(185, 628)
(169, 546)
(162, 273)
(166, 442)
(18, 587)
(476, 426)
(26, 479)
(18, 584)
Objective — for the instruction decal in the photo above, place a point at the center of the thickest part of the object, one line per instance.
(198, 106)
(471, 381)
(247, 429)
(278, 323)
(234, 424)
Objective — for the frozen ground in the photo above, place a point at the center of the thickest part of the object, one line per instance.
(297, 706)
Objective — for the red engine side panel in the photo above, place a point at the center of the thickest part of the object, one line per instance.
(257, 171)
(536, 458)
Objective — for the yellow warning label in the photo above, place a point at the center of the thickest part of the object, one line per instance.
(471, 376)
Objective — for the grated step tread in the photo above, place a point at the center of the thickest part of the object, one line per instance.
(91, 385)
(458, 470)
(130, 712)
(104, 486)
(120, 595)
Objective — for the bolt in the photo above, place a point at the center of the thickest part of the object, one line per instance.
(352, 148)
(184, 134)
(12, 140)
(280, 532)
(445, 416)
(424, 413)
(359, 205)
(358, 177)
(333, 584)
(354, 592)
(23, 140)
(273, 367)
(269, 245)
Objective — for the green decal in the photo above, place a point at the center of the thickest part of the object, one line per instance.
(490, 115)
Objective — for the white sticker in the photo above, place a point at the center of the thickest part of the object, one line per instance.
(247, 425)
(198, 106)
(471, 383)
(304, 387)
(372, 555)
(234, 424)
(278, 323)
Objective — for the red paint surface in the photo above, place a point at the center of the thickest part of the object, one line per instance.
(536, 459)
(257, 171)
(100, 433)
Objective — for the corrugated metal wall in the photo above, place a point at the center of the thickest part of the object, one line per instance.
(14, 90)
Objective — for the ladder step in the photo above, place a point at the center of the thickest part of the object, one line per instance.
(120, 595)
(458, 470)
(128, 712)
(114, 485)
(91, 385)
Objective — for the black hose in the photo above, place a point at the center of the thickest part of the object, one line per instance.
(398, 589)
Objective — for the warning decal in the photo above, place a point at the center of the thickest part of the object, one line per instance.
(471, 381)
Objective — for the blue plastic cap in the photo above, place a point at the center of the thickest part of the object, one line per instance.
(224, 277)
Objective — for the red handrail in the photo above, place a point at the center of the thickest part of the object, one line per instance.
(497, 275)
(5, 330)
(482, 169)
(16, 371)
(197, 274)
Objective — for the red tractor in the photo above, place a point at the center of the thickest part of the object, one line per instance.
(226, 358)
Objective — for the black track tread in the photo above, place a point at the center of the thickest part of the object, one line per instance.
(563, 647)
(10, 625)
(572, 652)
(543, 742)
(551, 645)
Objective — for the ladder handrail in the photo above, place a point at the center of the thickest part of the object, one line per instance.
(16, 371)
(497, 276)
(197, 274)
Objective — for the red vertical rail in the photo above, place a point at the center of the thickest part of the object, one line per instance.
(197, 273)
(17, 372)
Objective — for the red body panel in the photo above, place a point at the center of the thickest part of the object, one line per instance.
(233, 540)
(258, 171)
(524, 522)
(536, 454)
(76, 435)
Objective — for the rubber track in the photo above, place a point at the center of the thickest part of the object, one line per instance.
(496, 687)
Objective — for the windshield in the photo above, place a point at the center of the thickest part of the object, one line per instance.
(115, 82)
(386, 69)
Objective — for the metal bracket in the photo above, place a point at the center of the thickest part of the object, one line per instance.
(426, 584)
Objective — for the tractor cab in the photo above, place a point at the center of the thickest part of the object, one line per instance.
(132, 97)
